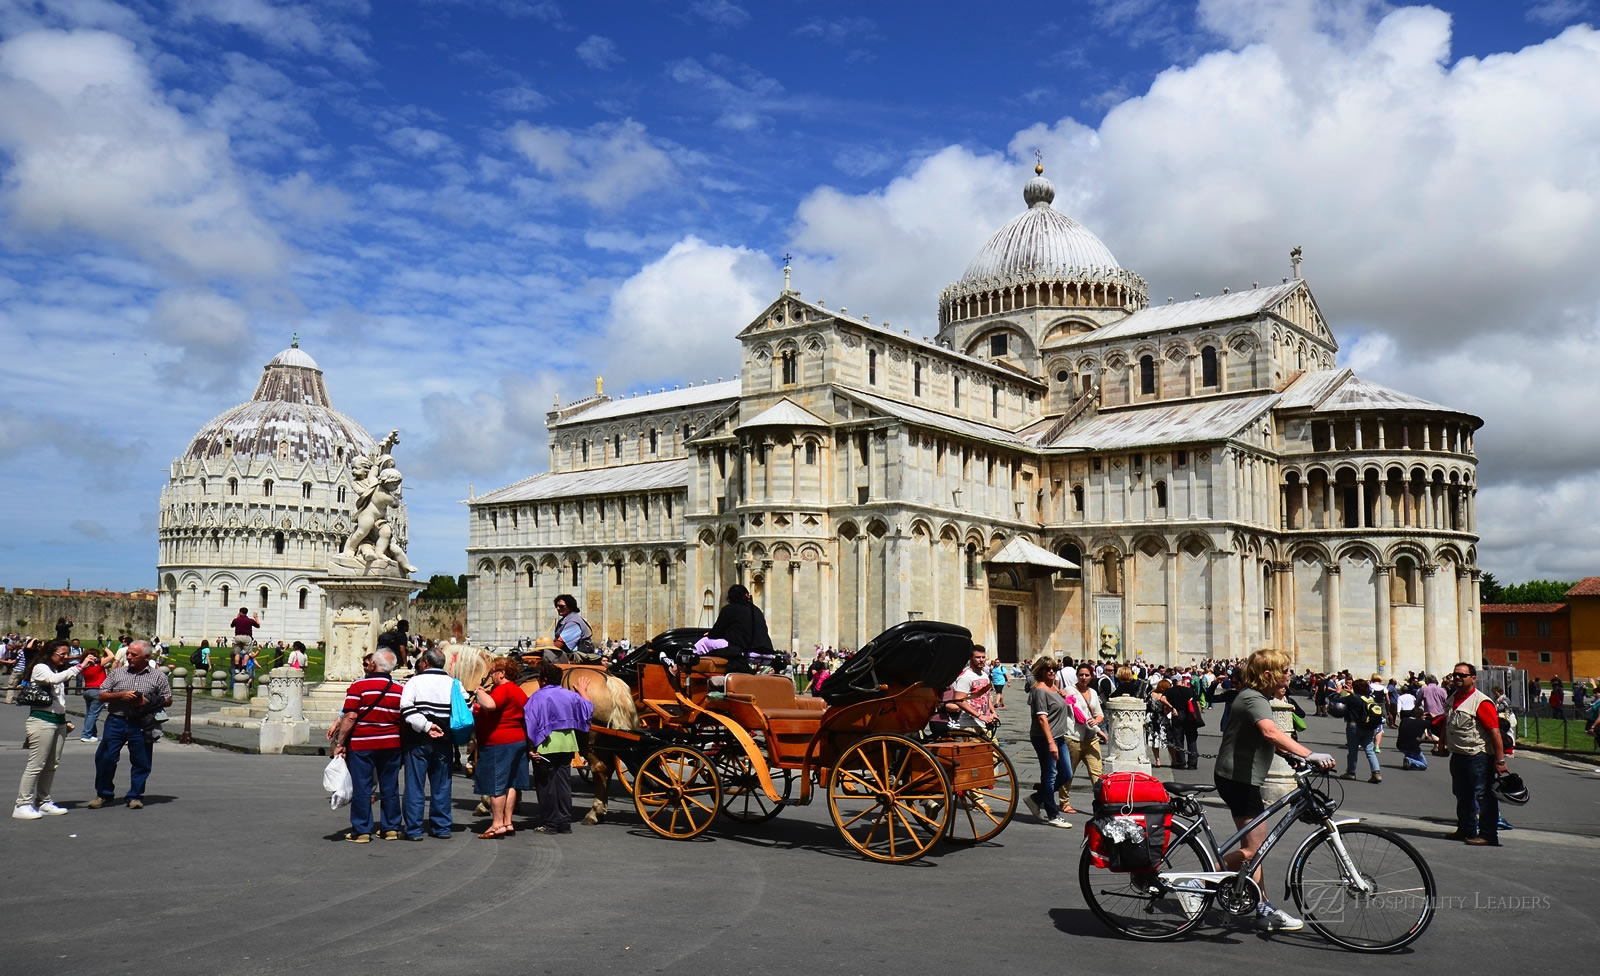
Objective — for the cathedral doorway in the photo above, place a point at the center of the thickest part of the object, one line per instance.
(1005, 633)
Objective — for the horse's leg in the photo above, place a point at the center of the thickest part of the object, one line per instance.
(600, 783)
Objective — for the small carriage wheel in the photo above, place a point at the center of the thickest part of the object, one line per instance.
(743, 799)
(978, 815)
(676, 792)
(624, 775)
(889, 798)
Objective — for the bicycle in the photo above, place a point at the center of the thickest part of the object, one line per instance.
(1346, 878)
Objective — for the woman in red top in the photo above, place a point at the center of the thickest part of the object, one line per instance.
(502, 767)
(94, 675)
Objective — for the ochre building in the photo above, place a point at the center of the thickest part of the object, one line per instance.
(1062, 467)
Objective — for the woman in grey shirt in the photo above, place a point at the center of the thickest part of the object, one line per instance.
(1048, 733)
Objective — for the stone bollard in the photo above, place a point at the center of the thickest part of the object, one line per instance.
(285, 723)
(241, 687)
(1128, 749)
(219, 684)
(180, 679)
(1280, 776)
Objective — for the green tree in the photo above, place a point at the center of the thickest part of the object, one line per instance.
(1490, 590)
(1536, 591)
(441, 587)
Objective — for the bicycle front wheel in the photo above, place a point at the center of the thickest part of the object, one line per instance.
(1138, 904)
(1394, 911)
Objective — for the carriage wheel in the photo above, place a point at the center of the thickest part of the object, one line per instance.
(624, 775)
(889, 798)
(979, 815)
(676, 792)
(743, 799)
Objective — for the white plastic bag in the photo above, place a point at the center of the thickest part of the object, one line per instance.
(336, 781)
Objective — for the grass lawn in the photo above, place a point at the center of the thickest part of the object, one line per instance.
(1554, 733)
(178, 656)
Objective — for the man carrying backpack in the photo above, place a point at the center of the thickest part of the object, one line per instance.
(1363, 717)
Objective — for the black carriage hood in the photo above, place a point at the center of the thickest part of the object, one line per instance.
(925, 651)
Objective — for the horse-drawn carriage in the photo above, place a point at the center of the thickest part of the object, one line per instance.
(711, 743)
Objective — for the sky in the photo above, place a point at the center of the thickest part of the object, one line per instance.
(467, 208)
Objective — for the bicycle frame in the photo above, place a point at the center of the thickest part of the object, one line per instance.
(1297, 803)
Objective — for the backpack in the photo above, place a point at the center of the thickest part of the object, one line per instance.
(1371, 714)
(196, 659)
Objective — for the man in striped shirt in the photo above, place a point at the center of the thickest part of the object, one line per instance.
(368, 736)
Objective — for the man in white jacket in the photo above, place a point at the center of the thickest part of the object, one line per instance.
(425, 739)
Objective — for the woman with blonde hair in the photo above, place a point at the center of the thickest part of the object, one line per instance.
(1249, 740)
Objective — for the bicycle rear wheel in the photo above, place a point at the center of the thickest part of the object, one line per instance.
(1394, 914)
(1137, 905)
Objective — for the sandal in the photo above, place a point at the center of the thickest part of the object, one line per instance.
(1068, 811)
(493, 833)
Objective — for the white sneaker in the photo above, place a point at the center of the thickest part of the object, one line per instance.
(1033, 805)
(49, 809)
(26, 812)
(1277, 920)
(1061, 822)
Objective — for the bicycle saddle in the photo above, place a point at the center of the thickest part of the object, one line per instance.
(1188, 789)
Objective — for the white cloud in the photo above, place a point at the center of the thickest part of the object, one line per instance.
(96, 150)
(720, 12)
(423, 143)
(212, 331)
(607, 164)
(1556, 13)
(599, 52)
(520, 98)
(312, 28)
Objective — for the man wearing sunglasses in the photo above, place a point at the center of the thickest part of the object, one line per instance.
(1471, 733)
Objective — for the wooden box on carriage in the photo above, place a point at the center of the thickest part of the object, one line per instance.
(968, 763)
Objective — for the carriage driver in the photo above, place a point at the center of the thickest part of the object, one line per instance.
(572, 633)
(741, 626)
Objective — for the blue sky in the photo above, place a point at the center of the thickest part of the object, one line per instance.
(468, 207)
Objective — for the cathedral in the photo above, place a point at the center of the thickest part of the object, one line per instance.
(1063, 468)
(254, 507)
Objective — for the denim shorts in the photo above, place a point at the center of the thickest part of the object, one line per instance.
(501, 768)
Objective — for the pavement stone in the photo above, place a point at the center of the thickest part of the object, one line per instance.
(236, 867)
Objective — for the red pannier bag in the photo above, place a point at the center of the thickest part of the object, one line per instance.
(1141, 797)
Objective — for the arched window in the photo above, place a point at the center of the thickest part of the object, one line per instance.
(1073, 555)
(304, 593)
(341, 494)
(574, 574)
(655, 440)
(972, 565)
(202, 486)
(994, 400)
(584, 447)
(530, 577)
(1161, 494)
(1077, 499)
(617, 567)
(305, 489)
(225, 600)
(791, 366)
(916, 379)
(956, 388)
(233, 486)
(263, 592)
(266, 488)
(1403, 588)
(1111, 573)
(1208, 366)
(277, 543)
(1147, 375)
(872, 367)
(811, 452)
(616, 446)
(662, 567)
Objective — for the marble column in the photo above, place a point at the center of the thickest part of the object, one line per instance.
(1173, 650)
(1335, 620)
(1386, 662)
(861, 590)
(1305, 505)
(1433, 663)
(1465, 648)
(1286, 611)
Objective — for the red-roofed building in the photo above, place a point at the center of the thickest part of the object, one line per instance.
(1583, 601)
(1536, 637)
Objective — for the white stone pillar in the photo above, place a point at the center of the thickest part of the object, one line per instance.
(794, 607)
(1128, 749)
(1464, 607)
(1386, 663)
(861, 590)
(285, 723)
(1361, 501)
(1172, 607)
(1335, 620)
(1286, 611)
(1433, 663)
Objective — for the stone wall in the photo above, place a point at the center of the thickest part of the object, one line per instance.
(92, 612)
(439, 619)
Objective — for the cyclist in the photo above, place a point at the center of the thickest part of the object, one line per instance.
(1250, 738)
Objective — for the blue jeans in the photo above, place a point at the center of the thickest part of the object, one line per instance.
(382, 765)
(428, 780)
(1477, 807)
(91, 708)
(1416, 760)
(1359, 739)
(1054, 771)
(121, 732)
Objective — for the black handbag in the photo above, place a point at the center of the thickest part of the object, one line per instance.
(36, 696)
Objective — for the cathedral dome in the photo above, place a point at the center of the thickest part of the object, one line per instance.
(1041, 257)
(289, 418)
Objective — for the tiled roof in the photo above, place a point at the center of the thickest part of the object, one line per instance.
(624, 478)
(1170, 423)
(1522, 607)
(940, 421)
(1311, 388)
(1341, 391)
(784, 413)
(705, 393)
(1199, 311)
(1588, 586)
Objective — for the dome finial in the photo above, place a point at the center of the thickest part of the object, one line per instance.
(1038, 163)
(1039, 192)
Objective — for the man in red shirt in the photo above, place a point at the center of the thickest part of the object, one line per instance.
(244, 626)
(1471, 733)
(368, 736)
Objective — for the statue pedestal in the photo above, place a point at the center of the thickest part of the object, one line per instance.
(1280, 777)
(356, 609)
(1128, 750)
(285, 723)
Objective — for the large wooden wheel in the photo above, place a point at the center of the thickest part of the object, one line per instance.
(676, 792)
(889, 798)
(743, 799)
(979, 814)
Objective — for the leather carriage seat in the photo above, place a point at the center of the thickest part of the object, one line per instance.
(710, 665)
(774, 695)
